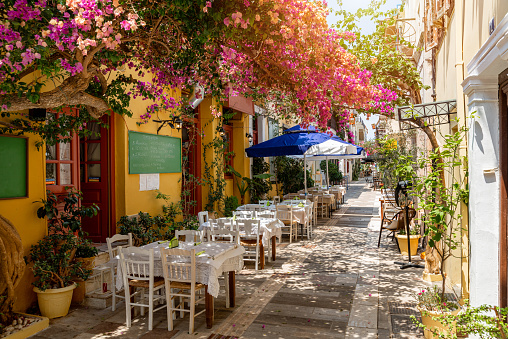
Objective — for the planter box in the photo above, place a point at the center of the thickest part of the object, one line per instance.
(34, 328)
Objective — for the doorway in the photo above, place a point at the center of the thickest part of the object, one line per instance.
(96, 180)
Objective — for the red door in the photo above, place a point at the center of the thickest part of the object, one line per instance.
(94, 179)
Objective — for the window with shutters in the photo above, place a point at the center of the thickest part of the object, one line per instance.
(61, 159)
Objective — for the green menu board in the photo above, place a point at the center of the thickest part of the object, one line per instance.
(13, 167)
(151, 153)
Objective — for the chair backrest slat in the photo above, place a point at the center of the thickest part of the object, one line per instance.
(117, 238)
(179, 265)
(221, 234)
(189, 235)
(134, 264)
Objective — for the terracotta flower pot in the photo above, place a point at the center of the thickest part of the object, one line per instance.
(434, 325)
(402, 240)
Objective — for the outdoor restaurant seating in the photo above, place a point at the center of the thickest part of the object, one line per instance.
(252, 242)
(139, 275)
(180, 282)
(396, 222)
(202, 217)
(224, 235)
(189, 235)
(322, 207)
(285, 214)
(125, 240)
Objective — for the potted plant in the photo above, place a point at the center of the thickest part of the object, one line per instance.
(244, 184)
(86, 253)
(485, 321)
(414, 237)
(441, 193)
(435, 308)
(53, 257)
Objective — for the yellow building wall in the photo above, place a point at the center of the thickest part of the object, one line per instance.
(129, 199)
(241, 164)
(22, 212)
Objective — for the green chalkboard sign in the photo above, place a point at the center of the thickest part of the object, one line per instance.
(151, 153)
(13, 167)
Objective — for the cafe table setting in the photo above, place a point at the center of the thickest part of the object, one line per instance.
(212, 259)
(270, 229)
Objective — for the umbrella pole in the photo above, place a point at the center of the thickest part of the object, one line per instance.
(327, 175)
(305, 173)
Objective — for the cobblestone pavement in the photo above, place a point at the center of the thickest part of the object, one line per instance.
(337, 285)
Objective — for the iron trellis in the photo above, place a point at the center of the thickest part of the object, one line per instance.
(434, 113)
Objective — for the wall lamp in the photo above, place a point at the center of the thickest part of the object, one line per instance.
(174, 122)
(222, 133)
(249, 137)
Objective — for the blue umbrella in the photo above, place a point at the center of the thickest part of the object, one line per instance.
(298, 141)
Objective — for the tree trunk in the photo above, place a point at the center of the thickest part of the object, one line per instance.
(12, 267)
(70, 93)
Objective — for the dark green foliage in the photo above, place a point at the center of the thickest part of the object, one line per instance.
(53, 256)
(230, 205)
(145, 228)
(86, 249)
(335, 173)
(290, 174)
(53, 261)
(260, 187)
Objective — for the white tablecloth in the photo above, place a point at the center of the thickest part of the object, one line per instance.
(269, 227)
(299, 214)
(218, 258)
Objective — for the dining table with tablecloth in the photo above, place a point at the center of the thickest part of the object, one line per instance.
(271, 229)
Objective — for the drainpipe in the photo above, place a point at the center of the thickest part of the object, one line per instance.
(462, 112)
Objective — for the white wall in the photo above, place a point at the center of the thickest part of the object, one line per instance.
(481, 88)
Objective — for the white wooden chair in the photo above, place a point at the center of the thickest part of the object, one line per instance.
(126, 241)
(251, 241)
(224, 223)
(180, 281)
(138, 272)
(285, 214)
(245, 214)
(189, 235)
(276, 200)
(307, 226)
(266, 214)
(322, 207)
(224, 235)
(203, 217)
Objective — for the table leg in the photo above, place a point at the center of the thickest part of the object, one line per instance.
(232, 288)
(262, 255)
(209, 308)
(273, 248)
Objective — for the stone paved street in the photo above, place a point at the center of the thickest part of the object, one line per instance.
(337, 285)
